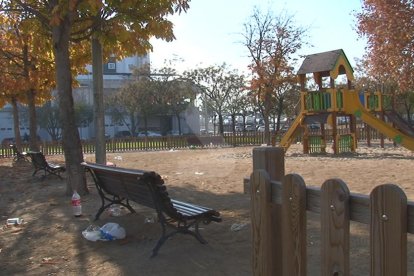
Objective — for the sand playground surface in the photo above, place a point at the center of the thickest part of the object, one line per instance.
(50, 241)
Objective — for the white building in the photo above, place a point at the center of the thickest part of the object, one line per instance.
(116, 73)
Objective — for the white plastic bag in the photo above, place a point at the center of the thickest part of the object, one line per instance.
(108, 232)
(112, 231)
(92, 233)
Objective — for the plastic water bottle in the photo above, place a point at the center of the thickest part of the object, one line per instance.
(76, 204)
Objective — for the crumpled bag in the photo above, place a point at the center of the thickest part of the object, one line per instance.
(92, 233)
(110, 231)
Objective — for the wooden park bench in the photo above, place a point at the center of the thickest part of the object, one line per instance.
(17, 154)
(119, 186)
(40, 164)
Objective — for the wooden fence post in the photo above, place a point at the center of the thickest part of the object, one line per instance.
(262, 249)
(388, 231)
(294, 225)
(271, 160)
(334, 228)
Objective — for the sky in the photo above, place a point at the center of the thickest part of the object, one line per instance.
(210, 33)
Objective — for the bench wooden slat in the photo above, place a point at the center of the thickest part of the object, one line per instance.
(190, 206)
(190, 209)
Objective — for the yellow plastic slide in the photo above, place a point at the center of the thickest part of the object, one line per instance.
(287, 139)
(352, 105)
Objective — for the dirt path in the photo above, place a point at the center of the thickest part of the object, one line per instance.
(50, 241)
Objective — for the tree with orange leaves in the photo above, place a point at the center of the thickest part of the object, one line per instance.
(131, 23)
(389, 29)
(27, 69)
(272, 43)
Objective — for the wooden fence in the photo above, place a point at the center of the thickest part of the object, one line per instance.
(153, 143)
(251, 138)
(279, 204)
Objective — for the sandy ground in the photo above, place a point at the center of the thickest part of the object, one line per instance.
(49, 242)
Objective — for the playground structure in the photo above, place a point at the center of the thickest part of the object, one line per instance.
(327, 107)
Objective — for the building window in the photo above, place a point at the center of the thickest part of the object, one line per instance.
(111, 66)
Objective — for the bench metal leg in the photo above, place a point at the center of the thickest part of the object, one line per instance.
(35, 172)
(178, 229)
(196, 234)
(159, 244)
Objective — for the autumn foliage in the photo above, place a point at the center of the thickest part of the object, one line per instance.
(389, 29)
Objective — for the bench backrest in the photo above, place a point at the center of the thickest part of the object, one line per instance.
(38, 159)
(143, 187)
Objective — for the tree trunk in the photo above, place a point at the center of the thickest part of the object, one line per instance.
(266, 113)
(99, 110)
(221, 126)
(179, 123)
(71, 142)
(206, 117)
(33, 141)
(408, 111)
(267, 130)
(17, 137)
(279, 113)
(145, 124)
(233, 123)
(133, 123)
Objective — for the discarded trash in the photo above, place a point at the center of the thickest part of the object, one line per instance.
(14, 221)
(92, 233)
(48, 260)
(149, 220)
(118, 157)
(115, 210)
(237, 226)
(198, 173)
(76, 204)
(110, 231)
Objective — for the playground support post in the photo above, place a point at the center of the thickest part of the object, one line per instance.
(334, 132)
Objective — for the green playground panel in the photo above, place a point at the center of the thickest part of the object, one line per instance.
(327, 101)
(318, 101)
(373, 102)
(345, 143)
(316, 144)
(339, 99)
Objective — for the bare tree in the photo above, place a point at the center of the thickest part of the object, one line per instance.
(175, 92)
(238, 101)
(217, 84)
(272, 42)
